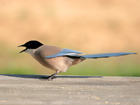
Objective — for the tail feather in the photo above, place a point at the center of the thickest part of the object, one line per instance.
(106, 55)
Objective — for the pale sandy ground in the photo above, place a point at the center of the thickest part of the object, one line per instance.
(69, 90)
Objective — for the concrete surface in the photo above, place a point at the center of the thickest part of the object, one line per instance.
(69, 90)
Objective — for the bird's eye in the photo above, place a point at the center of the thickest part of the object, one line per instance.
(28, 44)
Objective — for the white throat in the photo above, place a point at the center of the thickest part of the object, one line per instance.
(30, 51)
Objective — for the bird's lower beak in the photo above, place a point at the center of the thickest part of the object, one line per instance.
(22, 50)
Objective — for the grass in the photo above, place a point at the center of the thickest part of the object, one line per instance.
(102, 67)
(18, 70)
(108, 68)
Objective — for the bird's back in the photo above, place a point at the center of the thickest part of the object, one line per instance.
(58, 63)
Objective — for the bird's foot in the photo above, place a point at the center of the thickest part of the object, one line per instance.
(48, 78)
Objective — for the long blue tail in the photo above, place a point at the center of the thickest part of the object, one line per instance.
(103, 55)
(106, 55)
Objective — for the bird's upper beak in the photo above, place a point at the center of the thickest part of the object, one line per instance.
(22, 50)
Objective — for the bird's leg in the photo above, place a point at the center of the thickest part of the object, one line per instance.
(51, 76)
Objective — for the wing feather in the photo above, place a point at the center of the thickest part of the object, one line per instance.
(65, 52)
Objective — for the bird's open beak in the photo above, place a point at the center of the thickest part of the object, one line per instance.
(22, 50)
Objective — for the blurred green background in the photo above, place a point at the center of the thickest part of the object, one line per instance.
(93, 26)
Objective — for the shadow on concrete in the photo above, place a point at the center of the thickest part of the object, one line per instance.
(40, 76)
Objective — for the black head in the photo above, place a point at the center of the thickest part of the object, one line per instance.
(33, 44)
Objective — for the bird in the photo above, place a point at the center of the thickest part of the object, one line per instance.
(60, 59)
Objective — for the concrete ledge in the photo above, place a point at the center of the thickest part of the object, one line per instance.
(69, 90)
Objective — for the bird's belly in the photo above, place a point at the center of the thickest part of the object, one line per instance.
(57, 64)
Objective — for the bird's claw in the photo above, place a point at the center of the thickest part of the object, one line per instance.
(49, 78)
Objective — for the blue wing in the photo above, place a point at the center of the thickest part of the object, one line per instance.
(65, 52)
